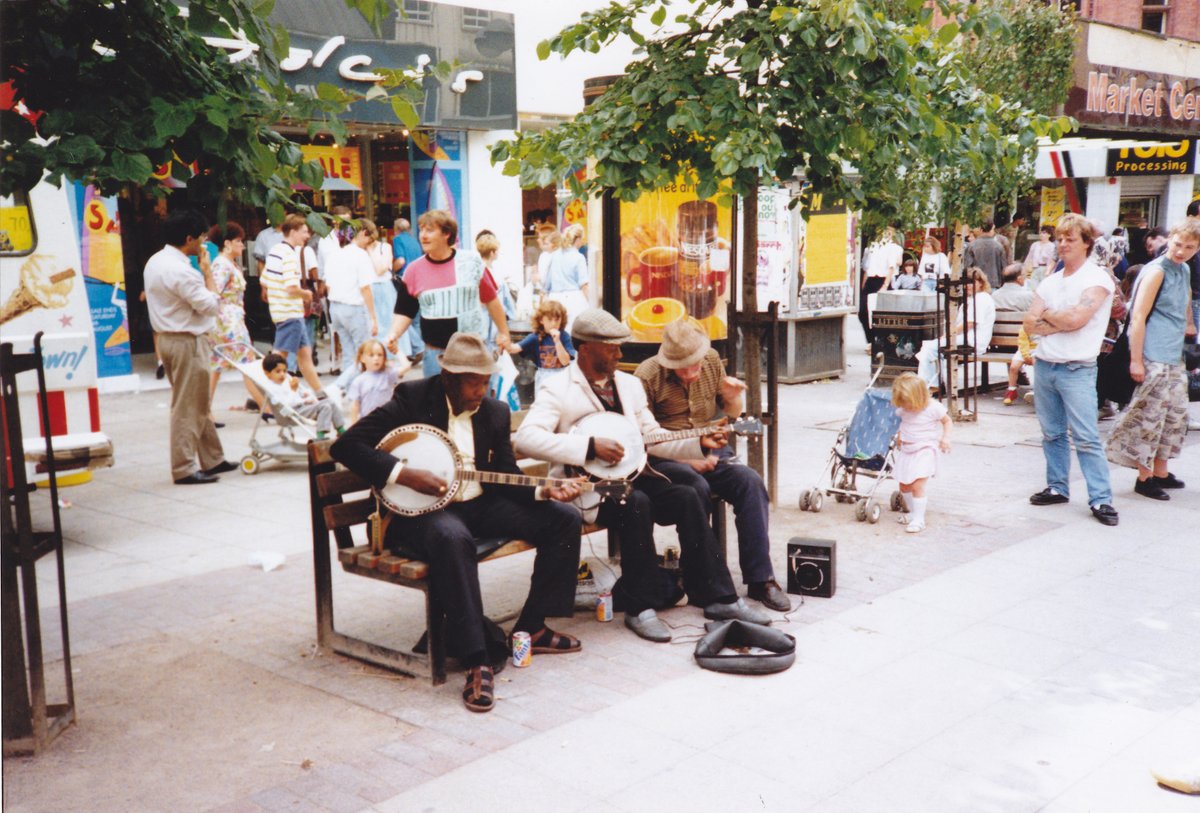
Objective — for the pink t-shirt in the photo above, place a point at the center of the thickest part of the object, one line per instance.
(450, 295)
(921, 430)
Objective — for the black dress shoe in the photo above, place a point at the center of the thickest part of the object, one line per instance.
(771, 595)
(197, 478)
(218, 425)
(159, 372)
(1048, 496)
(1105, 514)
(1170, 481)
(221, 468)
(1150, 488)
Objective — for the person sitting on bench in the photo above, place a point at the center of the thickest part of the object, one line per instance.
(592, 384)
(455, 402)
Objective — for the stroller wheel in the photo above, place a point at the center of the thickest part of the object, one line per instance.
(897, 501)
(815, 501)
(860, 510)
(249, 464)
(804, 500)
(873, 511)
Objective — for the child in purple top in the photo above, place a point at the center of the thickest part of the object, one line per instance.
(373, 387)
(924, 437)
(548, 346)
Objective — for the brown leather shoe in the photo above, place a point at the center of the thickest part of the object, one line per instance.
(771, 595)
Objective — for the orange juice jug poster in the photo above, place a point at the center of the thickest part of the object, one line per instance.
(675, 262)
(99, 226)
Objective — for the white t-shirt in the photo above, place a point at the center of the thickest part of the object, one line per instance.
(1060, 292)
(350, 270)
(933, 266)
(884, 256)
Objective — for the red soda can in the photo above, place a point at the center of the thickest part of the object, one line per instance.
(604, 607)
(522, 653)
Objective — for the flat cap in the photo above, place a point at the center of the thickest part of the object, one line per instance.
(467, 353)
(684, 344)
(598, 325)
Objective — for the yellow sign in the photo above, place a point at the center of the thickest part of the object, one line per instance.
(825, 257)
(16, 234)
(339, 163)
(1054, 205)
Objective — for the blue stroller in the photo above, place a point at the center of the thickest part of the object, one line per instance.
(863, 449)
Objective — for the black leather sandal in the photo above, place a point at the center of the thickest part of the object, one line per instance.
(479, 694)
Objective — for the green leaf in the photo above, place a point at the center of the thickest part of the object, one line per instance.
(543, 50)
(217, 119)
(405, 112)
(311, 174)
(131, 167)
(659, 15)
(947, 33)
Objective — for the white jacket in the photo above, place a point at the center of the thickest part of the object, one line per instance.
(562, 401)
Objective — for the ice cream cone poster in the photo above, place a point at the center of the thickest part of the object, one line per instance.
(104, 276)
(675, 261)
(42, 289)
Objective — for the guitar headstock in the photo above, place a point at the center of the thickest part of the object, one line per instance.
(746, 426)
(614, 489)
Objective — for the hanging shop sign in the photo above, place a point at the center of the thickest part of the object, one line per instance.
(1160, 159)
(340, 164)
(1054, 205)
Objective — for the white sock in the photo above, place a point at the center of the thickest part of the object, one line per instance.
(918, 509)
(908, 501)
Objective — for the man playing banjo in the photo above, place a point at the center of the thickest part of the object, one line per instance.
(686, 385)
(479, 428)
(593, 386)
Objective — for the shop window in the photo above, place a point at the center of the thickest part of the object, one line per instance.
(18, 232)
(1154, 17)
(475, 19)
(418, 11)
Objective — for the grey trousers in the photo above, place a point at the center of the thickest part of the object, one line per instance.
(193, 436)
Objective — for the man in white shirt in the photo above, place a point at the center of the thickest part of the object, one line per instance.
(286, 299)
(182, 306)
(1070, 312)
(351, 303)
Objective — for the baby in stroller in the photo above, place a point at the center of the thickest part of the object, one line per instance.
(300, 398)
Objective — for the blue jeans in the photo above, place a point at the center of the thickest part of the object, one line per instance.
(1065, 397)
(352, 326)
(411, 342)
(740, 486)
(430, 365)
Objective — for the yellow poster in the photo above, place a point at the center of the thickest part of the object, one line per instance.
(675, 262)
(338, 163)
(16, 233)
(825, 249)
(1054, 205)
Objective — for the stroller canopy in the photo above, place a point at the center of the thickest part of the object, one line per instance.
(871, 429)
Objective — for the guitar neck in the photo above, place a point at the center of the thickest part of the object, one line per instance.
(504, 479)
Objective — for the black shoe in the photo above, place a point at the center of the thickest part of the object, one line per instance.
(160, 372)
(416, 358)
(771, 595)
(1105, 514)
(221, 468)
(197, 478)
(218, 425)
(251, 405)
(1170, 481)
(1048, 496)
(1150, 488)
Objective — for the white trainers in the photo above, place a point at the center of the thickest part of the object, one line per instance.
(903, 519)
(915, 527)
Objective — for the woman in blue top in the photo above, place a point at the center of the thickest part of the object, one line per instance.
(566, 277)
(1152, 430)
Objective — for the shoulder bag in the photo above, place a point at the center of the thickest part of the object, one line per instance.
(1113, 380)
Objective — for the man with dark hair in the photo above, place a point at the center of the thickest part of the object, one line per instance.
(1156, 242)
(987, 253)
(455, 402)
(182, 306)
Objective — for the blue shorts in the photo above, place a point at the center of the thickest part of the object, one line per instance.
(290, 336)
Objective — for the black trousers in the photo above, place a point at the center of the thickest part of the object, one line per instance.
(657, 500)
(874, 284)
(446, 540)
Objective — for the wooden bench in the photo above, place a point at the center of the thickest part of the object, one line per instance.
(341, 502)
(1004, 343)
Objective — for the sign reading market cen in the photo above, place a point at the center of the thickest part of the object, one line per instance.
(1128, 99)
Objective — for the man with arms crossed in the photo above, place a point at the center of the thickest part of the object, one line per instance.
(1069, 313)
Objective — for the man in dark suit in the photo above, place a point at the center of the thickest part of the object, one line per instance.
(454, 402)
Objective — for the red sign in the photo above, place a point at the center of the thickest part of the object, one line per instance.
(394, 186)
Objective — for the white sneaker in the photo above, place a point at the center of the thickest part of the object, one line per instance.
(903, 519)
(915, 527)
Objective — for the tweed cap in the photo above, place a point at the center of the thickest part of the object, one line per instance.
(598, 325)
(683, 344)
(467, 353)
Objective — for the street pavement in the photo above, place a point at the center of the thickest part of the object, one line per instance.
(1008, 658)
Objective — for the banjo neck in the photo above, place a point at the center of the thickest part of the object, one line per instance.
(505, 479)
(665, 436)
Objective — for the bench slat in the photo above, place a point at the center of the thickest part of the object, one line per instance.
(318, 452)
(342, 481)
(347, 514)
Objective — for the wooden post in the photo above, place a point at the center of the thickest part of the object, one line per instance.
(751, 347)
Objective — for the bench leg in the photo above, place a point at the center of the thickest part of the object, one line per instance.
(719, 526)
(614, 545)
(435, 624)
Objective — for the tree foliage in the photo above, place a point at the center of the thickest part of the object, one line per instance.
(861, 98)
(118, 89)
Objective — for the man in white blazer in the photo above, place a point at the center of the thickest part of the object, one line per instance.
(592, 384)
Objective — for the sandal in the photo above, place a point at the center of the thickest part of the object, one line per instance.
(548, 642)
(479, 694)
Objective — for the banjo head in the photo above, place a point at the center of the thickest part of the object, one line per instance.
(618, 427)
(424, 447)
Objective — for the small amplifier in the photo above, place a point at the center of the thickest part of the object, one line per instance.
(812, 566)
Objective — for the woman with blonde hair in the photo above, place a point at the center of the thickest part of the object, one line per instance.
(566, 275)
(983, 320)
